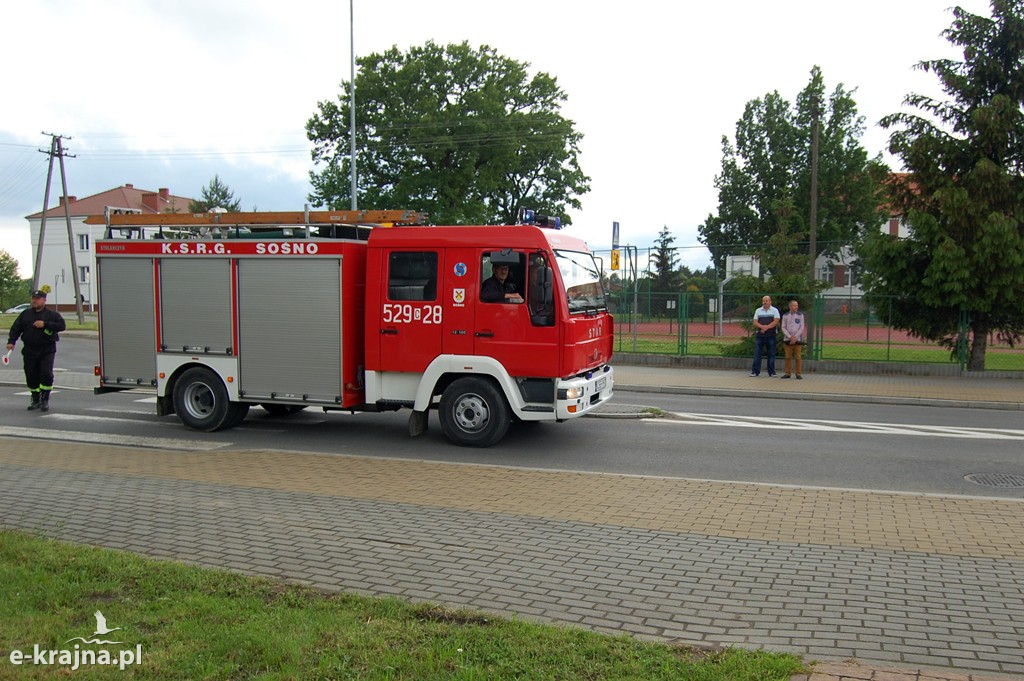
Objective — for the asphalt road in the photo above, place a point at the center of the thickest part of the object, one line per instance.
(842, 445)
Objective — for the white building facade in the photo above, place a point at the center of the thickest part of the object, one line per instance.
(56, 269)
(839, 270)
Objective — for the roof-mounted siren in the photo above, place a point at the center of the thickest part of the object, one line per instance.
(531, 217)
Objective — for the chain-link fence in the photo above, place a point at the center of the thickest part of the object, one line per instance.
(840, 328)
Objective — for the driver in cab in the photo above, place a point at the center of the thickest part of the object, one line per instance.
(498, 288)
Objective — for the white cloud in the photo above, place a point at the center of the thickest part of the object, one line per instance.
(150, 91)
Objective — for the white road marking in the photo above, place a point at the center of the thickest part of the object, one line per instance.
(684, 419)
(111, 419)
(103, 410)
(109, 439)
(150, 421)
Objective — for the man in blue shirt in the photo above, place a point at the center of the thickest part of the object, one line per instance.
(766, 322)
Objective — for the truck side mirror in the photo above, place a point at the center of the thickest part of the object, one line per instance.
(545, 283)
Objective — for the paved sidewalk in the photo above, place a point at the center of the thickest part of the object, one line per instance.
(925, 583)
(967, 391)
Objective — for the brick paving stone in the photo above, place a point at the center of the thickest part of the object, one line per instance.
(742, 581)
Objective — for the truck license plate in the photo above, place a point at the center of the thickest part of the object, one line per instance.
(599, 384)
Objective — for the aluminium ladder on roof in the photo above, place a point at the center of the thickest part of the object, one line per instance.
(239, 221)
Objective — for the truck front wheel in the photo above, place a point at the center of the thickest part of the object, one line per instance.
(474, 413)
(201, 401)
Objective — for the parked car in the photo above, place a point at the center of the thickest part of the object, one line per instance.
(18, 309)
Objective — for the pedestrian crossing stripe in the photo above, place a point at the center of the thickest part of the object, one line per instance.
(862, 427)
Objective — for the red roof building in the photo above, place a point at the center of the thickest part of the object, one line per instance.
(56, 269)
(127, 196)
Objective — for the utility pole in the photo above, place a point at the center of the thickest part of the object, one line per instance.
(815, 115)
(42, 223)
(814, 186)
(57, 150)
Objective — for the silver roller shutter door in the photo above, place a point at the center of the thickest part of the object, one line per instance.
(195, 305)
(290, 328)
(127, 320)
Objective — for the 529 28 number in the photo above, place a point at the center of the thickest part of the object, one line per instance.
(399, 313)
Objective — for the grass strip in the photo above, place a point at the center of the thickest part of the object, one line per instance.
(199, 623)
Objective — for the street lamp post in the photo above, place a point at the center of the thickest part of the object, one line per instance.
(56, 278)
(352, 100)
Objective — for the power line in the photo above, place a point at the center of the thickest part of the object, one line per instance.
(160, 154)
(18, 177)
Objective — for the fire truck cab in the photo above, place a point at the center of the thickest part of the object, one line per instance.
(485, 324)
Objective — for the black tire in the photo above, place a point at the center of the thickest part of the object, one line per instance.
(282, 409)
(201, 401)
(474, 413)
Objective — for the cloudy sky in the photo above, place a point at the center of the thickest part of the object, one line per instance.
(166, 94)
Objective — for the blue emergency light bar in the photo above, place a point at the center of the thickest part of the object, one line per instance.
(531, 217)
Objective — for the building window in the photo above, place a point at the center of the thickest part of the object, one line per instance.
(83, 273)
(83, 242)
(839, 275)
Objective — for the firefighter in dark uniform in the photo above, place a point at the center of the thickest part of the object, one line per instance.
(498, 288)
(37, 327)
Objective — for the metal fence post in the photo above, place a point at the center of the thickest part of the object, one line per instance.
(888, 329)
(817, 324)
(961, 342)
(683, 307)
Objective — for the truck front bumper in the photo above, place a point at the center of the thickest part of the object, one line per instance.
(578, 395)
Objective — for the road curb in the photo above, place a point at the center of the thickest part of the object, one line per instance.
(819, 397)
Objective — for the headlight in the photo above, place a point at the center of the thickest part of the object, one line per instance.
(570, 393)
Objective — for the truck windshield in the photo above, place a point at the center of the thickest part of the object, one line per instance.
(582, 281)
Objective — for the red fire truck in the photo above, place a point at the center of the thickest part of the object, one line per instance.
(354, 311)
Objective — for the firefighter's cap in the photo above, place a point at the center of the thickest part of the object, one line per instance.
(39, 293)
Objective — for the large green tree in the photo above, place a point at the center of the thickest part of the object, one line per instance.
(465, 134)
(784, 258)
(963, 198)
(770, 160)
(11, 288)
(215, 195)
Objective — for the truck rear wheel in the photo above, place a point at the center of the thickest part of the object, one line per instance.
(201, 401)
(474, 413)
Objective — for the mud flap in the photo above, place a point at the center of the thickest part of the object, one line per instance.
(418, 423)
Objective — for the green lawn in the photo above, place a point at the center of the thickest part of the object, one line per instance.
(194, 623)
(995, 360)
(70, 318)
